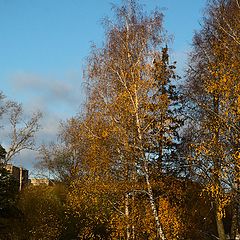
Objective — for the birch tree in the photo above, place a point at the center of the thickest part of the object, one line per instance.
(22, 133)
(20, 128)
(129, 90)
(213, 93)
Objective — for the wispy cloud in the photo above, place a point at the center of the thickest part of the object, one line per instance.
(65, 90)
(57, 99)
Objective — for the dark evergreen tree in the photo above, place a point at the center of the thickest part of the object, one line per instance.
(165, 112)
(2, 153)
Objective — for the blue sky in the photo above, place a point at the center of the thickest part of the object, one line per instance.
(44, 45)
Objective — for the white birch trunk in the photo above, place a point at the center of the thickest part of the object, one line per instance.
(127, 215)
(160, 233)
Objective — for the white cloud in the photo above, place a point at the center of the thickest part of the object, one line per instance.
(57, 99)
(66, 90)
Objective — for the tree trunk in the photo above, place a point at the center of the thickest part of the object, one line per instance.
(20, 178)
(159, 229)
(217, 169)
(133, 227)
(127, 215)
(234, 225)
(160, 233)
(220, 227)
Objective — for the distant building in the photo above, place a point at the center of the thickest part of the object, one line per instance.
(41, 181)
(19, 173)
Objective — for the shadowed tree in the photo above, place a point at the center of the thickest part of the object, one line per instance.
(213, 90)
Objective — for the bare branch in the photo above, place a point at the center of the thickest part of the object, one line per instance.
(23, 134)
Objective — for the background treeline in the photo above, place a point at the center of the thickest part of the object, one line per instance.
(148, 157)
